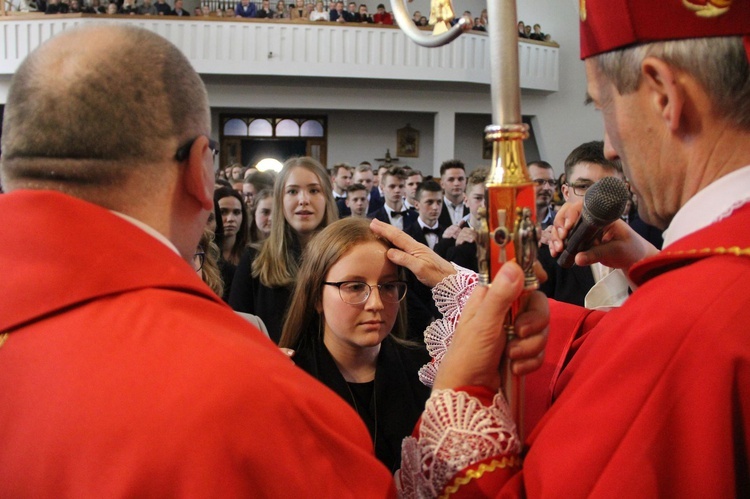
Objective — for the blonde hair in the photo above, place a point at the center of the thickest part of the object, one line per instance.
(276, 265)
(210, 272)
(322, 252)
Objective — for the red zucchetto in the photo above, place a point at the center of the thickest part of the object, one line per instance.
(611, 24)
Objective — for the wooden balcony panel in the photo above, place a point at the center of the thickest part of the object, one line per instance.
(254, 47)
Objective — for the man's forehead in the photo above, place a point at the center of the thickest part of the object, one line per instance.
(454, 173)
(590, 171)
(539, 172)
(477, 189)
(431, 196)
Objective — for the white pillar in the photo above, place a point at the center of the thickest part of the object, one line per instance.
(445, 139)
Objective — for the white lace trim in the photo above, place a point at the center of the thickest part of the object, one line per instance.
(451, 295)
(456, 431)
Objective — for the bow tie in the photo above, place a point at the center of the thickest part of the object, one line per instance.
(427, 230)
(399, 213)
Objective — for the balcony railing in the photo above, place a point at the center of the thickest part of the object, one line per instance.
(282, 48)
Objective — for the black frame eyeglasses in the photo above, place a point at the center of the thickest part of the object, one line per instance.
(184, 151)
(199, 258)
(580, 189)
(358, 292)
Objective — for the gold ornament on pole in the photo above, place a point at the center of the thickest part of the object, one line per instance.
(509, 229)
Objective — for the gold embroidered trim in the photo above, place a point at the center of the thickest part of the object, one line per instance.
(733, 250)
(458, 482)
(711, 8)
(3, 337)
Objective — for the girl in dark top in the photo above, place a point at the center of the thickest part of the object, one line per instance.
(302, 205)
(233, 240)
(346, 316)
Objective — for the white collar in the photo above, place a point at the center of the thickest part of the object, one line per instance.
(714, 202)
(451, 205)
(148, 230)
(424, 225)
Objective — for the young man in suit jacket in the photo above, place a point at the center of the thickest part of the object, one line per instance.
(462, 248)
(393, 212)
(428, 231)
(364, 175)
(453, 182)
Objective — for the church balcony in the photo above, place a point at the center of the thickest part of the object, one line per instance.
(240, 47)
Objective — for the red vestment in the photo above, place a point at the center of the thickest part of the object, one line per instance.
(654, 398)
(124, 375)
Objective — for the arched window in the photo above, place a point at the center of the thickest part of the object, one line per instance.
(260, 128)
(312, 128)
(235, 127)
(287, 128)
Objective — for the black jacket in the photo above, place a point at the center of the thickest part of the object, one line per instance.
(398, 396)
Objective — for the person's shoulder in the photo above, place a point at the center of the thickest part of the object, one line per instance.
(379, 213)
(413, 355)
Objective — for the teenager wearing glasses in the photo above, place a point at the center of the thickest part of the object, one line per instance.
(345, 321)
(584, 166)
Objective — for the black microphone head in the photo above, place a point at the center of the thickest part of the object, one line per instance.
(605, 201)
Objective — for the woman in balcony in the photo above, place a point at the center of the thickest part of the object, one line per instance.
(319, 14)
(281, 11)
(299, 11)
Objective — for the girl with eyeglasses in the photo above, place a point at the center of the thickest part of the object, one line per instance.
(302, 206)
(346, 317)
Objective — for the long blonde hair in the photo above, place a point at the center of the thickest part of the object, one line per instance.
(321, 253)
(275, 265)
(210, 272)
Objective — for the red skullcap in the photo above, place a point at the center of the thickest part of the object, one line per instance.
(612, 24)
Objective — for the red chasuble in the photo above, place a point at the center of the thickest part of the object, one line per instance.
(124, 376)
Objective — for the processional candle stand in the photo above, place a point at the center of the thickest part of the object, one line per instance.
(509, 229)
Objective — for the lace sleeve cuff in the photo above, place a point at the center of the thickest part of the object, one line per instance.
(457, 431)
(451, 295)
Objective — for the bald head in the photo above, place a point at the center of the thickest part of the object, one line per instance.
(78, 117)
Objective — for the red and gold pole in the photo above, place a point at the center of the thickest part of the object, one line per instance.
(510, 217)
(509, 229)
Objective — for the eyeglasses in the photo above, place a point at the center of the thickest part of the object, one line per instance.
(357, 292)
(549, 181)
(198, 259)
(580, 188)
(184, 151)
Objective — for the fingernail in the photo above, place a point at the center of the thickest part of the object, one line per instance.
(508, 273)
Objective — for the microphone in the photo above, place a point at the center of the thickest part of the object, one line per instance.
(603, 203)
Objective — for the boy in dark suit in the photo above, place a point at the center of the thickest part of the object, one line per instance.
(393, 212)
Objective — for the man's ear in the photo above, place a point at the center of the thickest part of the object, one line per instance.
(198, 175)
(565, 188)
(666, 93)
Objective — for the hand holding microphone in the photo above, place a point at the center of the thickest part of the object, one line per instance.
(603, 204)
